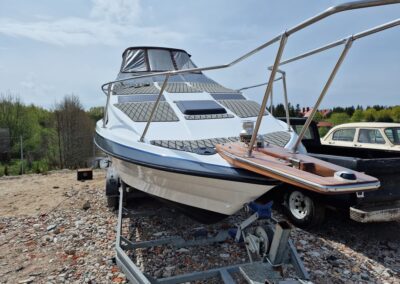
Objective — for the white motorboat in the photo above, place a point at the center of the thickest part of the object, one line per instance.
(164, 118)
(175, 158)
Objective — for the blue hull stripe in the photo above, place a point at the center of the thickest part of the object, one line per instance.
(178, 165)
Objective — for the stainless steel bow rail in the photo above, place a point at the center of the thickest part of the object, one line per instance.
(266, 240)
(282, 38)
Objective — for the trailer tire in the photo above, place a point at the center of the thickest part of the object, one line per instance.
(303, 210)
(113, 202)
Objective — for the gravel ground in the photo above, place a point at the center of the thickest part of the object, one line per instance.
(69, 238)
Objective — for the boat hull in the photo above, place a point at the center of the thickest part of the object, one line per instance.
(221, 196)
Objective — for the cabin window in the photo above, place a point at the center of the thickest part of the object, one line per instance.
(308, 135)
(372, 136)
(134, 61)
(346, 135)
(182, 60)
(160, 60)
(393, 134)
(155, 60)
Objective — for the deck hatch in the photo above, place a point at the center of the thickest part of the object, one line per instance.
(199, 107)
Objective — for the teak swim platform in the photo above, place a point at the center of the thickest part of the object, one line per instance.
(297, 169)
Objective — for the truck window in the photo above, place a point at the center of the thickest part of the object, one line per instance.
(344, 135)
(307, 135)
(372, 136)
(393, 134)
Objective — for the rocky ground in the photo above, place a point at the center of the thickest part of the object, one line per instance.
(54, 229)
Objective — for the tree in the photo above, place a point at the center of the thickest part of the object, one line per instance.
(318, 117)
(383, 115)
(357, 116)
(395, 113)
(370, 114)
(350, 110)
(279, 111)
(339, 118)
(96, 113)
(297, 111)
(75, 132)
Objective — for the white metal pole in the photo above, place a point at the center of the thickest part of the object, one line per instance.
(22, 155)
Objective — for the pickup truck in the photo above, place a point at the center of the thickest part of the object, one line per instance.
(379, 136)
(307, 209)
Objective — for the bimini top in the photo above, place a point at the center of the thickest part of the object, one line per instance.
(154, 59)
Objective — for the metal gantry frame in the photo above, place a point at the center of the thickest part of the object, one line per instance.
(282, 38)
(281, 251)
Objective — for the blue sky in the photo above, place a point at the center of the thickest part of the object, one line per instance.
(51, 48)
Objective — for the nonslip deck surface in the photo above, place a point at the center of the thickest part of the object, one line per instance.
(296, 169)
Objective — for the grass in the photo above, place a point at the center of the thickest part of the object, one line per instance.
(13, 167)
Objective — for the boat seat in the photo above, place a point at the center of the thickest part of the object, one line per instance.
(242, 108)
(140, 111)
(278, 138)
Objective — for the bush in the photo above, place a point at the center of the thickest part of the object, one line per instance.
(383, 115)
(339, 118)
(370, 115)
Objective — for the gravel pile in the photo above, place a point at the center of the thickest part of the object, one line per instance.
(73, 243)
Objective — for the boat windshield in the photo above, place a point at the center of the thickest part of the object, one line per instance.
(393, 134)
(155, 60)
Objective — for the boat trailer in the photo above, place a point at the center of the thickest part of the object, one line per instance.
(266, 241)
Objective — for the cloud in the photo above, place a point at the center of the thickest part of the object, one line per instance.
(110, 23)
(120, 11)
(32, 91)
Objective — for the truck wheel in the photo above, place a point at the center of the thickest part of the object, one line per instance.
(303, 210)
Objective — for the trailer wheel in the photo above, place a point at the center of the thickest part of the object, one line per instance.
(112, 202)
(303, 210)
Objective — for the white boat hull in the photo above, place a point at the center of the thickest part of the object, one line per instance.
(217, 195)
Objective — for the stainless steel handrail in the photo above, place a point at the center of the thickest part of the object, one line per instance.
(282, 38)
(347, 47)
(328, 12)
(164, 85)
(257, 85)
(285, 98)
(356, 36)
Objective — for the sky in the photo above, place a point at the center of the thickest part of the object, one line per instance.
(49, 49)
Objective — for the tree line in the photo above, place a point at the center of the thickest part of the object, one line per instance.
(58, 138)
(340, 115)
(62, 137)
